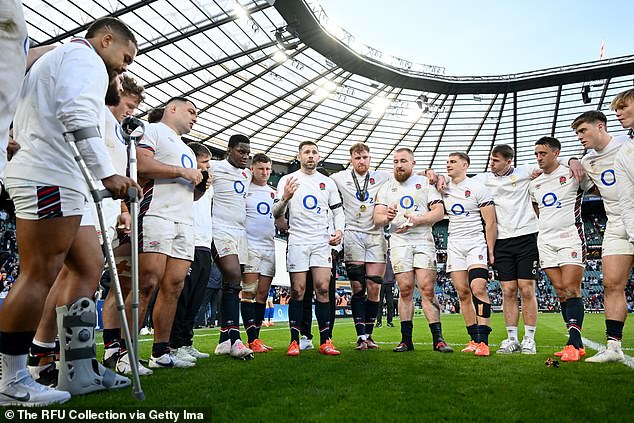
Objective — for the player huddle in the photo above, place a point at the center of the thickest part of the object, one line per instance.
(194, 210)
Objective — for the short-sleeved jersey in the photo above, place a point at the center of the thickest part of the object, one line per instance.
(170, 198)
(309, 210)
(624, 168)
(359, 212)
(559, 196)
(115, 144)
(415, 196)
(599, 166)
(513, 207)
(260, 223)
(463, 201)
(231, 187)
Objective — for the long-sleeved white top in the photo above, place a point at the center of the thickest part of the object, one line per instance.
(64, 91)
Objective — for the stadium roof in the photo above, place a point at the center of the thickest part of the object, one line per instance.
(280, 72)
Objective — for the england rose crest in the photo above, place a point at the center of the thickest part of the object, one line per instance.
(562, 180)
(322, 186)
(467, 194)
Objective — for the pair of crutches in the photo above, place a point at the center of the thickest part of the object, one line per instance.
(133, 130)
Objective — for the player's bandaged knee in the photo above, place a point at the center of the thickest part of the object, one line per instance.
(482, 309)
(375, 279)
(124, 266)
(250, 287)
(356, 272)
(478, 273)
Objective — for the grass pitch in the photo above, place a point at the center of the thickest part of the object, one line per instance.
(380, 385)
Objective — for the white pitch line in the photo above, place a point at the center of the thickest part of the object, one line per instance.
(629, 361)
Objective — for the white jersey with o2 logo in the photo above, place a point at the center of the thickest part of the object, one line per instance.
(559, 196)
(309, 214)
(462, 204)
(171, 198)
(231, 187)
(260, 224)
(599, 166)
(415, 196)
(359, 212)
(513, 207)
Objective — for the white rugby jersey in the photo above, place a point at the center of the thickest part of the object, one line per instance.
(202, 220)
(513, 207)
(309, 210)
(115, 143)
(624, 169)
(63, 91)
(359, 211)
(172, 198)
(231, 187)
(558, 196)
(415, 196)
(462, 204)
(260, 223)
(599, 166)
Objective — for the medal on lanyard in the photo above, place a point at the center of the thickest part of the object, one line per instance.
(361, 193)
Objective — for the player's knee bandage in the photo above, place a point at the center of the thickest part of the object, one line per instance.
(250, 288)
(375, 279)
(478, 273)
(356, 272)
(482, 309)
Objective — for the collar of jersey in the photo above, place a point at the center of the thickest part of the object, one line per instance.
(508, 172)
(83, 41)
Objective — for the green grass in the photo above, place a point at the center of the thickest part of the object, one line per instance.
(384, 386)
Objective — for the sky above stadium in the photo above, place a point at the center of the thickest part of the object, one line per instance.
(489, 37)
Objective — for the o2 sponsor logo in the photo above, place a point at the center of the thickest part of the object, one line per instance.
(310, 203)
(550, 199)
(458, 210)
(264, 209)
(407, 202)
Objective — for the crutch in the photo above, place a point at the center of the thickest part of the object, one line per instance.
(98, 196)
(133, 130)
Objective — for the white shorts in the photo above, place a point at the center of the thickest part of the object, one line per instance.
(462, 253)
(300, 258)
(89, 218)
(262, 262)
(163, 236)
(616, 241)
(557, 254)
(364, 247)
(111, 210)
(406, 258)
(34, 202)
(228, 241)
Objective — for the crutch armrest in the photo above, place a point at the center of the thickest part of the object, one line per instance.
(82, 134)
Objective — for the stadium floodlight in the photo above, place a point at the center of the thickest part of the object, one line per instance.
(378, 106)
(280, 57)
(240, 12)
(413, 113)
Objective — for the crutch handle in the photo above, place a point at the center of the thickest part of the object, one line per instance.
(100, 194)
(133, 194)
